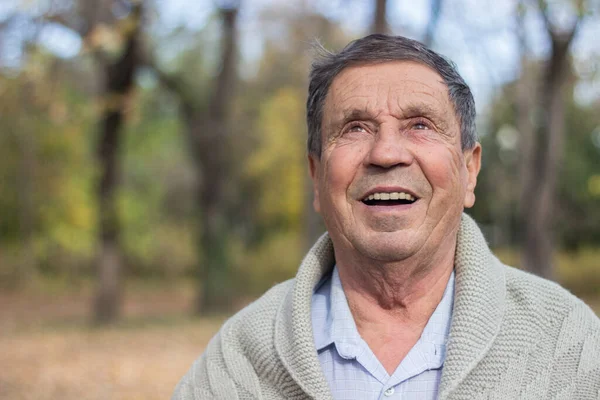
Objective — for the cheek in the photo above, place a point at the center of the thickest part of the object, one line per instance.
(341, 167)
(444, 169)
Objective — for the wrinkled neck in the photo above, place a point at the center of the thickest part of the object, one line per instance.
(404, 291)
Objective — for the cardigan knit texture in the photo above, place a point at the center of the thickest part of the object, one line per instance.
(513, 336)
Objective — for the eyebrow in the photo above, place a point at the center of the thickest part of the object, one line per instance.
(421, 109)
(356, 114)
(408, 111)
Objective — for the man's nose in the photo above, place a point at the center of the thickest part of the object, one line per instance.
(389, 148)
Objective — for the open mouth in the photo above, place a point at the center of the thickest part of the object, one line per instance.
(389, 199)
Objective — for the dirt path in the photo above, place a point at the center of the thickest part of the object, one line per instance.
(48, 350)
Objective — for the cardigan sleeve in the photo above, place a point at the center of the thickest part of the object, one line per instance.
(208, 377)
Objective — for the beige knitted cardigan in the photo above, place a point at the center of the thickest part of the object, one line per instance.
(513, 336)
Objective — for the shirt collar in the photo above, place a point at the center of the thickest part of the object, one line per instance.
(343, 329)
(333, 322)
(436, 332)
(332, 319)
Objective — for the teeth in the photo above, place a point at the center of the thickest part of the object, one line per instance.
(391, 196)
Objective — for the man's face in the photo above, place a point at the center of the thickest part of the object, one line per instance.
(392, 179)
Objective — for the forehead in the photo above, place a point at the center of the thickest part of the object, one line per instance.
(395, 88)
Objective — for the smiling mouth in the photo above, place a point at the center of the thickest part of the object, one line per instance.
(389, 199)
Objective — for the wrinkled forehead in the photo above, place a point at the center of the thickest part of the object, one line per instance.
(400, 88)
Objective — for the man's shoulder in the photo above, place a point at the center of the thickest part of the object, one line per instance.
(256, 320)
(547, 345)
(547, 303)
(531, 289)
(239, 353)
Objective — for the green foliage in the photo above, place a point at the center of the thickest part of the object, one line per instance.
(278, 165)
(155, 198)
(578, 207)
(48, 120)
(274, 260)
(579, 203)
(46, 110)
(45, 165)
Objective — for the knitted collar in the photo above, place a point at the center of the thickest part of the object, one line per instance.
(479, 302)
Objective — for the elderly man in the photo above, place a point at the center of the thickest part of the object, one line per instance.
(402, 297)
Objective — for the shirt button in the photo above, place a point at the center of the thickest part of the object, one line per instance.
(389, 392)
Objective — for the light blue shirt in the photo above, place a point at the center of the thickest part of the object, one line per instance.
(351, 368)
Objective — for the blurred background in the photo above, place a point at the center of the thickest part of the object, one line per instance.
(153, 173)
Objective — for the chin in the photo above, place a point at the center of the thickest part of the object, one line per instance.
(386, 249)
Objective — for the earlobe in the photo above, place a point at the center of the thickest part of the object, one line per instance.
(469, 199)
(473, 164)
(313, 164)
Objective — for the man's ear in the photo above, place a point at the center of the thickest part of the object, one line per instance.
(473, 164)
(314, 164)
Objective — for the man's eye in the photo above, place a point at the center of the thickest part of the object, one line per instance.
(420, 126)
(355, 128)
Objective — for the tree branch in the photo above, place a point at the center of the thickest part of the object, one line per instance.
(170, 81)
(79, 28)
(556, 36)
(226, 79)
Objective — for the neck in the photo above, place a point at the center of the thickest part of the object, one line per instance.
(392, 302)
(406, 291)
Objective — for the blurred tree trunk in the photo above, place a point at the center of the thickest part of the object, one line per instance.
(380, 24)
(210, 135)
(91, 19)
(436, 10)
(118, 75)
(525, 95)
(545, 154)
(207, 133)
(26, 144)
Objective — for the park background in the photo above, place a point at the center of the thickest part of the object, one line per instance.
(153, 173)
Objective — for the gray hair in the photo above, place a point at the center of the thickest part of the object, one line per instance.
(378, 48)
